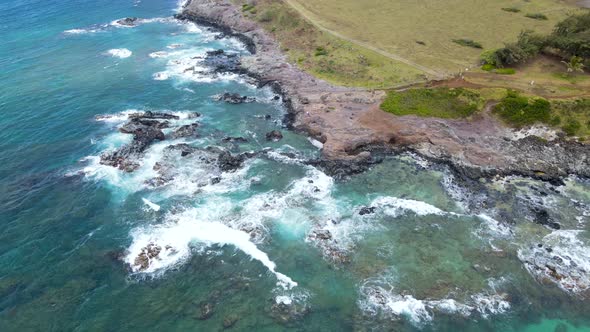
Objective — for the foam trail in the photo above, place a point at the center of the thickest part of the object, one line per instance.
(185, 230)
(152, 205)
(396, 206)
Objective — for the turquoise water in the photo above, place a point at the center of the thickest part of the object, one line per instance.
(275, 245)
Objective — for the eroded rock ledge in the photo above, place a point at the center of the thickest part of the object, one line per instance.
(354, 131)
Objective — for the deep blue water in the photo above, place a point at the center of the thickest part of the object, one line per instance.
(70, 228)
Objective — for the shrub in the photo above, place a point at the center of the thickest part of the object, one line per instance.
(468, 43)
(319, 51)
(437, 102)
(520, 111)
(529, 44)
(572, 36)
(511, 9)
(266, 16)
(490, 57)
(571, 127)
(536, 16)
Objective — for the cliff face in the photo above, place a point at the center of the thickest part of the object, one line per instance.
(352, 127)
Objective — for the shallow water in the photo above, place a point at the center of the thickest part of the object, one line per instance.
(274, 245)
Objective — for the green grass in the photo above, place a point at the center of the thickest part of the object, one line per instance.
(467, 43)
(537, 16)
(395, 26)
(327, 56)
(505, 71)
(437, 102)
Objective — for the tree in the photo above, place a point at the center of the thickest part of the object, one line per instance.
(575, 64)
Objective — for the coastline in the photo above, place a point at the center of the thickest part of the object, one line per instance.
(356, 134)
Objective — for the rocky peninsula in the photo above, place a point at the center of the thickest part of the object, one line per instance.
(355, 132)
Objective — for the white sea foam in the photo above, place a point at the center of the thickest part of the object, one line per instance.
(378, 295)
(80, 31)
(395, 207)
(121, 53)
(196, 225)
(152, 205)
(563, 258)
(158, 54)
(117, 117)
(161, 76)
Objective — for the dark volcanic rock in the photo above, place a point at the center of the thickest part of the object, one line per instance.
(228, 162)
(154, 115)
(145, 130)
(125, 158)
(542, 217)
(135, 124)
(235, 98)
(221, 62)
(274, 136)
(367, 210)
(230, 139)
(128, 21)
(185, 131)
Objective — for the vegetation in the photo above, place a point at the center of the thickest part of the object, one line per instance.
(570, 39)
(576, 115)
(395, 26)
(572, 36)
(575, 64)
(505, 71)
(537, 16)
(520, 111)
(248, 7)
(327, 56)
(511, 9)
(467, 42)
(436, 102)
(569, 115)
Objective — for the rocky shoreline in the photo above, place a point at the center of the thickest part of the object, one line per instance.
(355, 133)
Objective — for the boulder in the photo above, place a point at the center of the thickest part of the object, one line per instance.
(274, 136)
(185, 131)
(367, 210)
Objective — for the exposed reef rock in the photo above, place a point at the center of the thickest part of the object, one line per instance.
(235, 98)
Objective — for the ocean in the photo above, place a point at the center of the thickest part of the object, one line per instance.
(264, 243)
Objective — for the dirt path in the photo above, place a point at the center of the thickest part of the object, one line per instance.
(308, 16)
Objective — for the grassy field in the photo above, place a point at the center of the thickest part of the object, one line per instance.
(424, 31)
(326, 55)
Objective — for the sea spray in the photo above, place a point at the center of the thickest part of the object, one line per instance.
(190, 227)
